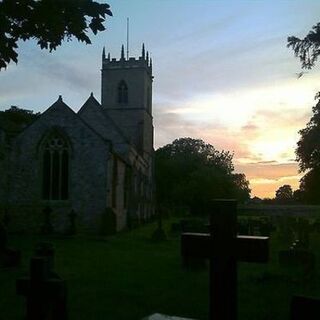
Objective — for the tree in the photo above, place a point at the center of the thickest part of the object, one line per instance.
(309, 186)
(284, 193)
(190, 172)
(308, 48)
(49, 22)
(308, 156)
(13, 120)
(308, 147)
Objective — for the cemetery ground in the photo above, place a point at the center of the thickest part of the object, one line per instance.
(128, 276)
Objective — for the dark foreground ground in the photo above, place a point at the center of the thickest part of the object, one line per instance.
(127, 276)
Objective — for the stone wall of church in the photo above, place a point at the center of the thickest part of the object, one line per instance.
(88, 176)
(120, 207)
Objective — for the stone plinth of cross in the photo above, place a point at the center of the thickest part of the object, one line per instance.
(224, 248)
(45, 292)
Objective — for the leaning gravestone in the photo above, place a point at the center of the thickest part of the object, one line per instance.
(8, 257)
(44, 290)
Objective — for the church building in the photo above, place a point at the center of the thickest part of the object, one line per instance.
(97, 159)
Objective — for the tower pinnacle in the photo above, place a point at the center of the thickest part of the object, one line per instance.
(143, 52)
(122, 52)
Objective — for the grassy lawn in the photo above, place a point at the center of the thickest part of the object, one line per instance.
(128, 276)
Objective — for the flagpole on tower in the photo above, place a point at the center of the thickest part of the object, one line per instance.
(127, 38)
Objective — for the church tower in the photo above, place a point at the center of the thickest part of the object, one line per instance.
(126, 95)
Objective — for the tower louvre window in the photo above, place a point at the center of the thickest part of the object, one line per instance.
(55, 169)
(122, 92)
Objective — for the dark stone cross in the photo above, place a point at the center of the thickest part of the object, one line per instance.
(8, 257)
(224, 248)
(44, 290)
(306, 308)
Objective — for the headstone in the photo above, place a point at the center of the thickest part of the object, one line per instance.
(304, 308)
(47, 227)
(8, 257)
(158, 316)
(224, 248)
(44, 290)
(303, 229)
(298, 257)
(72, 220)
(46, 250)
(193, 226)
(316, 226)
(159, 234)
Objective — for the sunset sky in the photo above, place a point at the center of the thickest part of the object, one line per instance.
(222, 73)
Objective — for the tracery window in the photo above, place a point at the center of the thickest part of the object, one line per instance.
(122, 92)
(55, 175)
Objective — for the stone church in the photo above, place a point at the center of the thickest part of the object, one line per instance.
(96, 159)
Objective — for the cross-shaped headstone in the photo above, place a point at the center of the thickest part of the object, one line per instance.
(8, 257)
(224, 248)
(45, 292)
(306, 308)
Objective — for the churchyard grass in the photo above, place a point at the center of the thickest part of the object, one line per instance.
(127, 276)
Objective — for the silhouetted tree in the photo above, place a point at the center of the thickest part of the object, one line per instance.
(13, 120)
(191, 172)
(308, 48)
(309, 186)
(308, 156)
(284, 194)
(298, 196)
(308, 147)
(47, 21)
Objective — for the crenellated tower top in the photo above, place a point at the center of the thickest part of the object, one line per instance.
(142, 61)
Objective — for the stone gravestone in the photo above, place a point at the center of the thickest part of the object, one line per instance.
(224, 248)
(304, 308)
(8, 257)
(158, 316)
(303, 230)
(47, 227)
(44, 290)
(72, 220)
(298, 257)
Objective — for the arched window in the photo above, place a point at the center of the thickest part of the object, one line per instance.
(55, 174)
(122, 92)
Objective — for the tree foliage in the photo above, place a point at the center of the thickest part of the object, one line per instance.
(308, 156)
(308, 147)
(284, 193)
(309, 186)
(308, 48)
(13, 120)
(49, 22)
(190, 172)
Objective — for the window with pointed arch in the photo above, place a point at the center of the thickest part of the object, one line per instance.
(122, 93)
(55, 168)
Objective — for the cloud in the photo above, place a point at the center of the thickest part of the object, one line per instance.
(272, 170)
